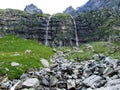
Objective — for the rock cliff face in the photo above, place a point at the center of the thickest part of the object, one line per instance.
(32, 9)
(91, 5)
(60, 29)
(70, 10)
(98, 25)
(92, 26)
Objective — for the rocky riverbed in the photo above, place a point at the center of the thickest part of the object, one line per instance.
(63, 74)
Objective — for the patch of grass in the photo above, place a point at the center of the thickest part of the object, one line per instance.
(108, 49)
(12, 49)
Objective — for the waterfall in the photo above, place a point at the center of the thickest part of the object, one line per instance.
(47, 29)
(75, 29)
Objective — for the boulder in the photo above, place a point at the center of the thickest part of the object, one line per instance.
(31, 82)
(44, 62)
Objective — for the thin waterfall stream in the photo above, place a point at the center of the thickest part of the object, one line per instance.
(47, 30)
(75, 29)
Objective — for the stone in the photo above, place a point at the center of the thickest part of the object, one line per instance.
(45, 82)
(62, 84)
(16, 54)
(31, 82)
(113, 82)
(15, 64)
(28, 51)
(28, 89)
(44, 62)
(53, 81)
(15, 85)
(111, 60)
(70, 84)
(92, 80)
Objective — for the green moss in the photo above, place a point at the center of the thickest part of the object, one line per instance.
(11, 45)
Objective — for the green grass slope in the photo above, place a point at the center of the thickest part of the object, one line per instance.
(12, 49)
(85, 53)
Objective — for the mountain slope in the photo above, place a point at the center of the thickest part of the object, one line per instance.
(100, 4)
(91, 5)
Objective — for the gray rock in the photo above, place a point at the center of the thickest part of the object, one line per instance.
(32, 9)
(14, 64)
(45, 82)
(28, 89)
(70, 84)
(53, 81)
(92, 81)
(44, 62)
(62, 84)
(31, 82)
(70, 10)
(113, 82)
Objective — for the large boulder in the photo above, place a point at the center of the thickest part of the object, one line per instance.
(32, 9)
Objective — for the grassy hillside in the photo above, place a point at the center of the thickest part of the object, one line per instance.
(12, 49)
(87, 51)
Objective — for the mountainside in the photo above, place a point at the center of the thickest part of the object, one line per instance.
(70, 10)
(113, 5)
(98, 25)
(62, 29)
(34, 26)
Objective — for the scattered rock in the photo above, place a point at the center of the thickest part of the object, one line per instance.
(15, 64)
(28, 51)
(31, 82)
(65, 74)
(44, 62)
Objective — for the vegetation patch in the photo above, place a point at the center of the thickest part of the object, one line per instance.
(25, 52)
(87, 51)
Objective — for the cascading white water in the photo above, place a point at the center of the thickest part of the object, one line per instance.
(47, 29)
(75, 29)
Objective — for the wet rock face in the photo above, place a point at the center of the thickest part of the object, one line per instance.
(60, 29)
(32, 9)
(64, 74)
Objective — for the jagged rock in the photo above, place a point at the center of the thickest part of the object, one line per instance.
(32, 9)
(31, 82)
(70, 10)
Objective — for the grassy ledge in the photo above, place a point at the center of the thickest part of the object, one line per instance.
(12, 49)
